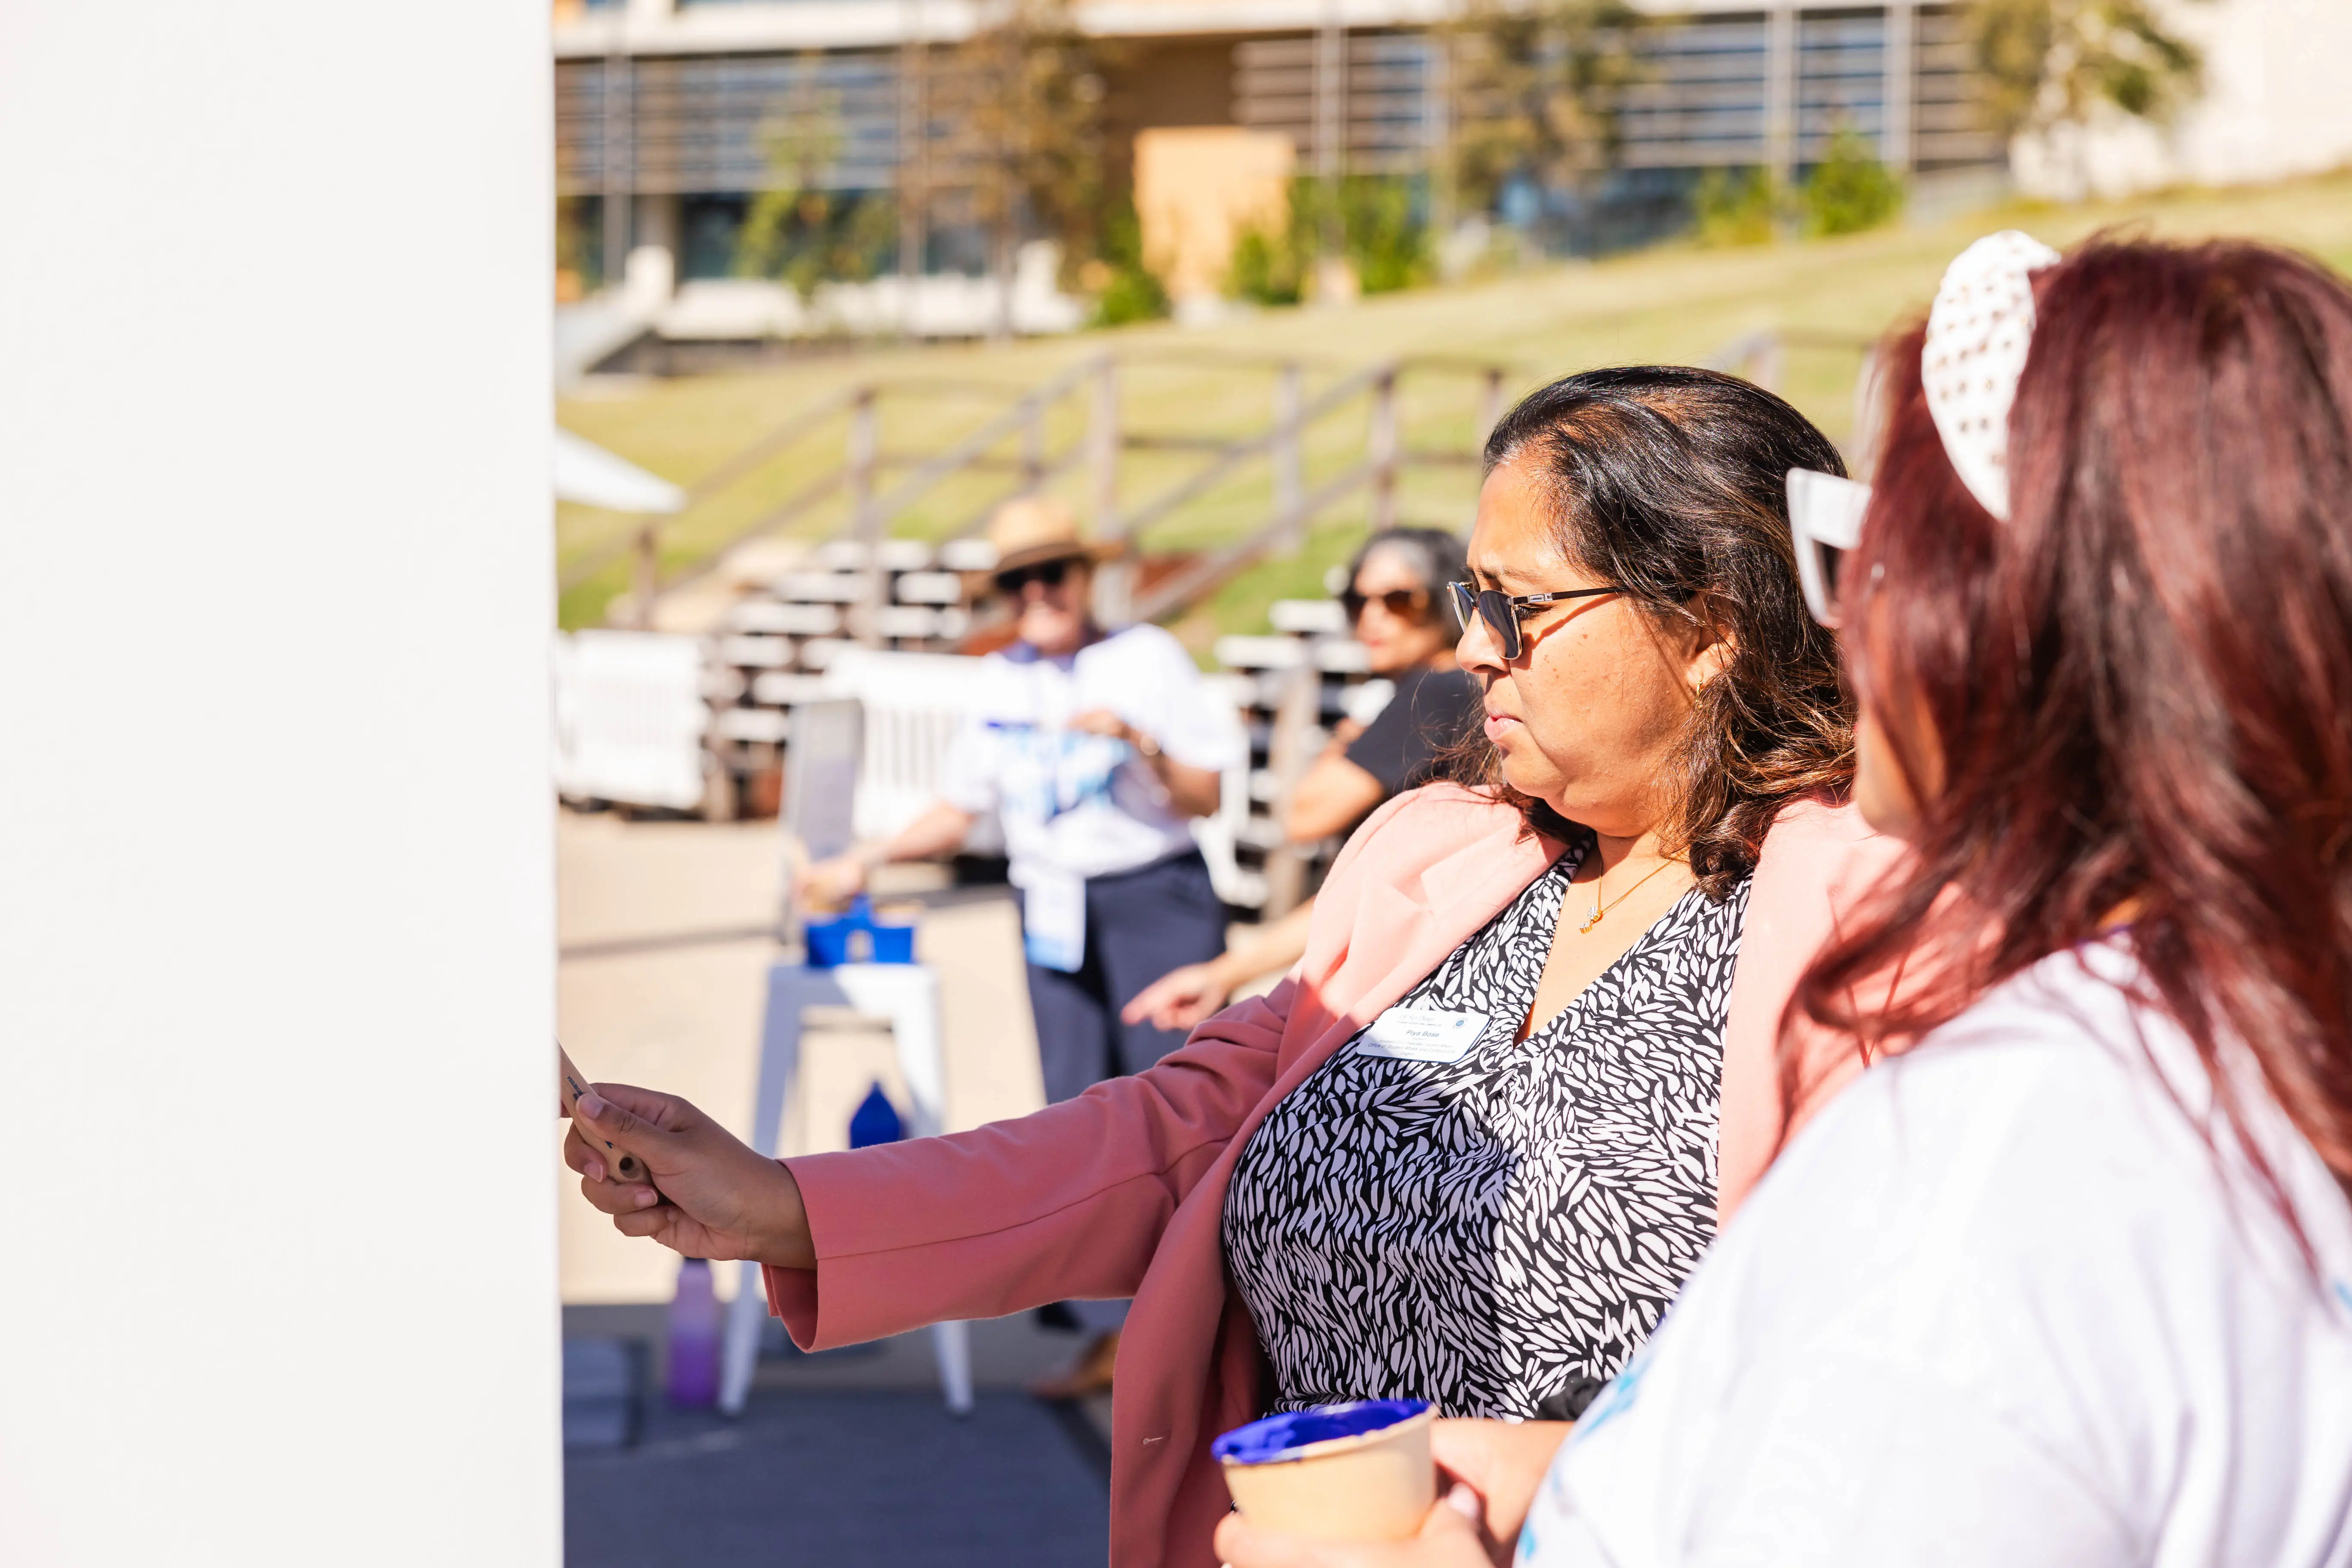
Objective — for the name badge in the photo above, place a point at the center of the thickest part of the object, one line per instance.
(1421, 1034)
(1053, 919)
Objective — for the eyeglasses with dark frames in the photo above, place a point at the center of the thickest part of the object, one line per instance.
(1404, 604)
(1503, 612)
(1052, 573)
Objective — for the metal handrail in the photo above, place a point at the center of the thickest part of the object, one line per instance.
(960, 455)
(799, 501)
(787, 434)
(871, 515)
(1242, 451)
(1212, 571)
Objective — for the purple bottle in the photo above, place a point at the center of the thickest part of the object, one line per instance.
(694, 1337)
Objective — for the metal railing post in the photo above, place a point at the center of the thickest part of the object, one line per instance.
(1289, 454)
(1114, 593)
(864, 520)
(1102, 448)
(1382, 449)
(1033, 448)
(649, 587)
(1490, 406)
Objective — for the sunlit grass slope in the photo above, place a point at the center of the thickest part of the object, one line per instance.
(1675, 303)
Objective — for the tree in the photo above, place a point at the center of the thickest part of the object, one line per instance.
(1028, 133)
(1536, 94)
(2049, 63)
(800, 230)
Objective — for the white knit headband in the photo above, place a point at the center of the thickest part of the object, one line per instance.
(1978, 332)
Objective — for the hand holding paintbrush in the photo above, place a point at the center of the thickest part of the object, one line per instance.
(662, 1170)
(569, 1085)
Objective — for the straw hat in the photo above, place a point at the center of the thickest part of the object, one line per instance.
(1033, 530)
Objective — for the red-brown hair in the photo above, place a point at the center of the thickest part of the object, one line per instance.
(2140, 684)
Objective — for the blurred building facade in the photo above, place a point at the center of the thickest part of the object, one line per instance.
(661, 104)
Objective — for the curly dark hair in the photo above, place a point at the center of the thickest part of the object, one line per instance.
(1672, 483)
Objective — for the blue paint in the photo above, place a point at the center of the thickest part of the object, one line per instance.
(1281, 1436)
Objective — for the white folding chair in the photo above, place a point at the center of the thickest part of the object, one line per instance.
(629, 718)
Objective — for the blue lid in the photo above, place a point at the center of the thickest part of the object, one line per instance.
(1280, 1437)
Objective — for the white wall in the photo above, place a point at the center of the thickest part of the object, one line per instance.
(2275, 104)
(276, 1259)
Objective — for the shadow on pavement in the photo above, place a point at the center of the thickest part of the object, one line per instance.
(875, 1478)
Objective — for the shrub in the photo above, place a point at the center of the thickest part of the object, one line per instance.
(1381, 233)
(1266, 268)
(1737, 206)
(1130, 291)
(1133, 294)
(1850, 190)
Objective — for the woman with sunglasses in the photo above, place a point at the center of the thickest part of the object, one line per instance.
(1396, 605)
(2068, 1279)
(1468, 1148)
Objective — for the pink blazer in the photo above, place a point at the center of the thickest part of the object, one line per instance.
(1121, 1191)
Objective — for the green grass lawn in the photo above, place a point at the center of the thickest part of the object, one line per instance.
(1677, 303)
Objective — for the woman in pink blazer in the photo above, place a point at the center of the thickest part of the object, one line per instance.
(1469, 1147)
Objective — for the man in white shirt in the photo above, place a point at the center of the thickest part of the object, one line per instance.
(1094, 750)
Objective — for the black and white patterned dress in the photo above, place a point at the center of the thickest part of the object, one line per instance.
(1497, 1234)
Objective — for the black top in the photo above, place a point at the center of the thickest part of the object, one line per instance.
(1498, 1233)
(1432, 709)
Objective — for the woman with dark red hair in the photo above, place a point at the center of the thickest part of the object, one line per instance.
(2068, 1277)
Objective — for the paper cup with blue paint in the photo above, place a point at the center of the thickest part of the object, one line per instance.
(1339, 1472)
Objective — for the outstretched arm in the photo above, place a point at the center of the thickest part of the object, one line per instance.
(1068, 1202)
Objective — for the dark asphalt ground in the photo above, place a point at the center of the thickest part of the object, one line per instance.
(873, 1478)
(850, 1459)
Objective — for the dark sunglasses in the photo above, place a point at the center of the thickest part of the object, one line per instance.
(1404, 604)
(1052, 573)
(1503, 612)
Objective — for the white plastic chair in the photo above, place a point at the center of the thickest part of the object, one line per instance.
(909, 995)
(629, 718)
(1220, 833)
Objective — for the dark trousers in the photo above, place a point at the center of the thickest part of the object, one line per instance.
(1140, 925)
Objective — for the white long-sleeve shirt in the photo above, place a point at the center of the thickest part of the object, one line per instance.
(1999, 1304)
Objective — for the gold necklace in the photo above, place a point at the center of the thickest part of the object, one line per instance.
(1599, 909)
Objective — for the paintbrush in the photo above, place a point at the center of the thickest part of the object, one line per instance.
(569, 1085)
